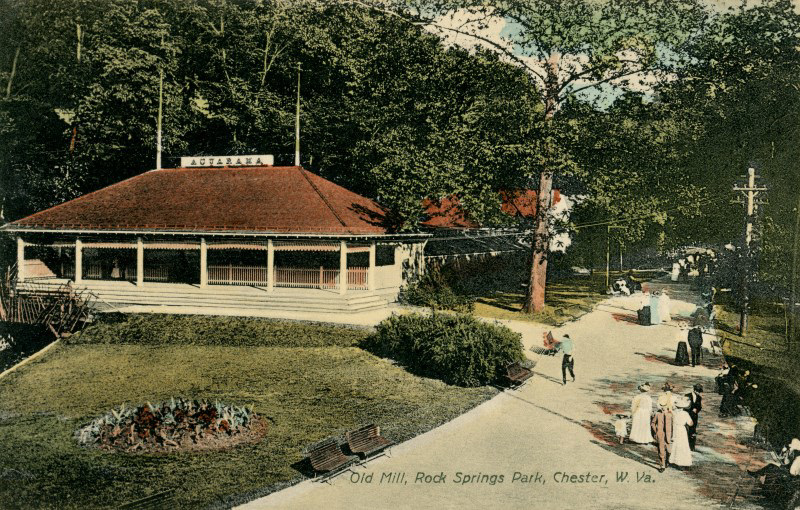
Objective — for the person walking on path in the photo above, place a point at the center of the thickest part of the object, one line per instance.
(655, 317)
(664, 304)
(568, 361)
(695, 406)
(681, 454)
(661, 426)
(621, 427)
(641, 411)
(667, 389)
(695, 339)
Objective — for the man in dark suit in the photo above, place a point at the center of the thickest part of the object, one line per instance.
(696, 344)
(696, 405)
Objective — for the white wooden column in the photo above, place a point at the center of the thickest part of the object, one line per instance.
(139, 262)
(20, 259)
(270, 266)
(203, 262)
(371, 270)
(78, 261)
(342, 267)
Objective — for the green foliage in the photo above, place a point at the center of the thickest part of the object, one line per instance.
(172, 424)
(458, 349)
(433, 290)
(146, 329)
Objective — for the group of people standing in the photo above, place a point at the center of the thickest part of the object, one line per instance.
(673, 425)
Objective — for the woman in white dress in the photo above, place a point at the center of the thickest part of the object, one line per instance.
(655, 318)
(681, 454)
(641, 411)
(663, 307)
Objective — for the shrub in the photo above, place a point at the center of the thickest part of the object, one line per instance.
(458, 349)
(432, 290)
(203, 330)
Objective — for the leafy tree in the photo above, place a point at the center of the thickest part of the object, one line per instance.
(567, 47)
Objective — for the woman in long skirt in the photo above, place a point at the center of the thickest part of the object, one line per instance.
(655, 317)
(681, 454)
(663, 307)
(641, 411)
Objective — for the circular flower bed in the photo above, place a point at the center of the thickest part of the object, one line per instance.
(175, 425)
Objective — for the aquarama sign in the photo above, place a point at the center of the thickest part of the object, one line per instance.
(249, 160)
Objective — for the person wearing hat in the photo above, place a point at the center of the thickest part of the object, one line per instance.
(568, 361)
(681, 453)
(667, 389)
(641, 412)
(695, 406)
(661, 426)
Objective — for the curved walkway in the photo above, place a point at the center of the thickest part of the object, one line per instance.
(538, 437)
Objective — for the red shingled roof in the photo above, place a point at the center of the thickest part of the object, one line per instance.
(448, 213)
(268, 199)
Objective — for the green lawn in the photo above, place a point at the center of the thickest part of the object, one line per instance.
(566, 299)
(310, 381)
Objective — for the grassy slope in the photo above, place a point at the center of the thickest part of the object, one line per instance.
(763, 351)
(309, 392)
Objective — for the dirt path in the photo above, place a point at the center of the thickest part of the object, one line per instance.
(540, 435)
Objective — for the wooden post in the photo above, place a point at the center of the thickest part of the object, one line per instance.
(78, 261)
(321, 277)
(20, 259)
(203, 262)
(371, 270)
(270, 266)
(139, 262)
(342, 267)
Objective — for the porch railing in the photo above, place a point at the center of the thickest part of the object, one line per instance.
(296, 277)
(237, 275)
(306, 278)
(156, 273)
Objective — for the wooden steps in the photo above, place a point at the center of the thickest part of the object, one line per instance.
(120, 294)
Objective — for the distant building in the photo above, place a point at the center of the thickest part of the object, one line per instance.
(241, 236)
(457, 237)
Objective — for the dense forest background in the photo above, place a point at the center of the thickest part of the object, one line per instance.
(391, 112)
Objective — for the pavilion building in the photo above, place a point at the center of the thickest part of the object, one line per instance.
(221, 237)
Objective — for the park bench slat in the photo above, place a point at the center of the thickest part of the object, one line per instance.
(367, 441)
(327, 457)
(517, 375)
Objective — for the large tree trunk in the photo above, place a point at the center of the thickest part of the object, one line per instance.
(540, 244)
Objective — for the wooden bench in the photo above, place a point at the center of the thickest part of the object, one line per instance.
(367, 441)
(328, 459)
(516, 375)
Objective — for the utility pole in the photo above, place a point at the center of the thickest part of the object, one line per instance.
(749, 194)
(297, 123)
(608, 252)
(160, 110)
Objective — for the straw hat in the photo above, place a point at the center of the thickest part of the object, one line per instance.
(664, 401)
(682, 402)
(644, 387)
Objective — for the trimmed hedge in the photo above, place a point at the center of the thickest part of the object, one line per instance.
(144, 329)
(458, 349)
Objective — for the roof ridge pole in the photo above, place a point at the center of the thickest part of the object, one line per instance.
(297, 122)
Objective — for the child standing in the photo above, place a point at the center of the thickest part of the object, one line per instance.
(621, 427)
